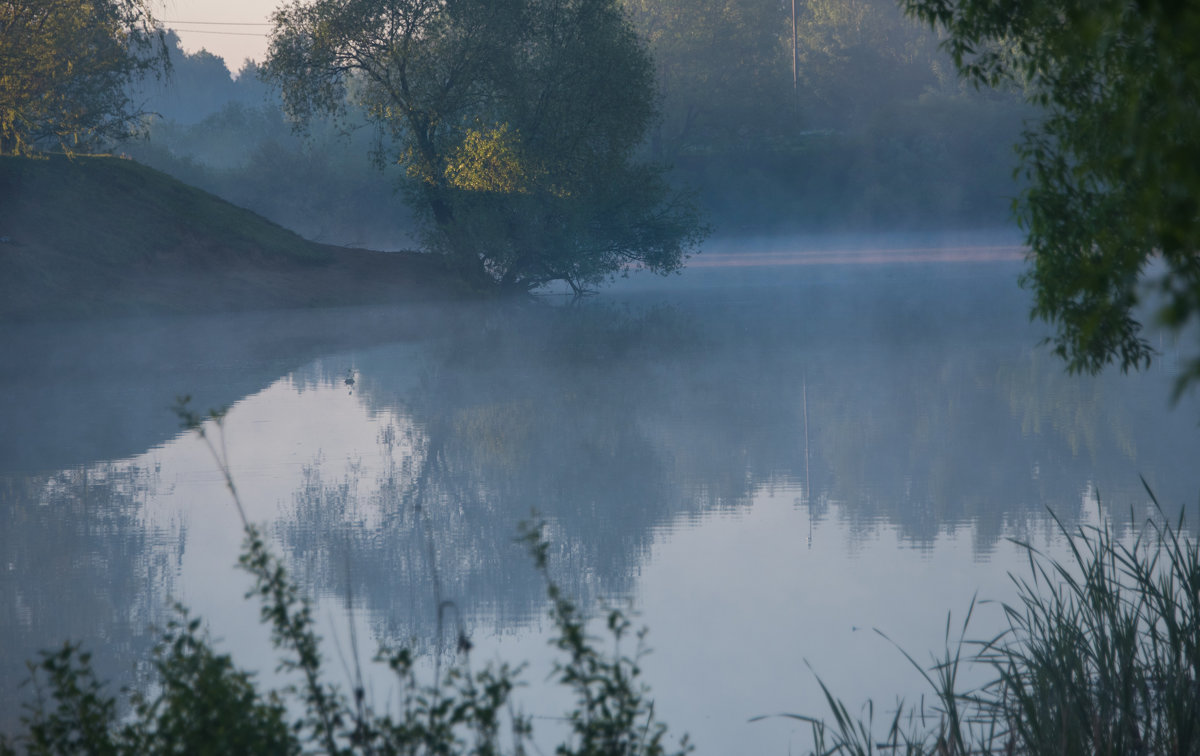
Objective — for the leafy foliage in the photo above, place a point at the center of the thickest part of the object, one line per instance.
(1114, 163)
(567, 85)
(613, 713)
(64, 69)
(878, 135)
(204, 705)
(875, 133)
(200, 84)
(489, 162)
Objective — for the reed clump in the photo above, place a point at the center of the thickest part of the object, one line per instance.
(1100, 655)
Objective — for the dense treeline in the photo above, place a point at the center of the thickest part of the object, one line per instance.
(874, 131)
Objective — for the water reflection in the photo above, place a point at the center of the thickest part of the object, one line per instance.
(83, 392)
(907, 401)
(616, 421)
(81, 561)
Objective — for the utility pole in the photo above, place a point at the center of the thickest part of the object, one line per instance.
(795, 73)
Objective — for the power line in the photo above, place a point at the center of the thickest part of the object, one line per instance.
(224, 33)
(218, 23)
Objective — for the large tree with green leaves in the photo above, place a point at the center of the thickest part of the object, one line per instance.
(65, 67)
(516, 122)
(1112, 210)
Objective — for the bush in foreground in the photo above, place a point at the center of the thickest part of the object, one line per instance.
(200, 703)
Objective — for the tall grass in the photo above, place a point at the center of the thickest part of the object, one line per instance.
(1100, 655)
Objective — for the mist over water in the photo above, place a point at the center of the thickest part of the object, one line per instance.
(767, 458)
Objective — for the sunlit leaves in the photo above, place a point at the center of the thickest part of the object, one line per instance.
(516, 121)
(64, 67)
(489, 161)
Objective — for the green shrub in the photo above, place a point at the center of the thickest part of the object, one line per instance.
(202, 704)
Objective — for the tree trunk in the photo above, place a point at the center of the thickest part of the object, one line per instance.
(463, 259)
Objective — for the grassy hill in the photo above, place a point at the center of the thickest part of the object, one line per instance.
(97, 236)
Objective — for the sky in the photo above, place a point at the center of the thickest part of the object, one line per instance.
(233, 29)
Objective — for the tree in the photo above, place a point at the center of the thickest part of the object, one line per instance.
(723, 70)
(856, 56)
(1112, 212)
(516, 122)
(64, 70)
(200, 85)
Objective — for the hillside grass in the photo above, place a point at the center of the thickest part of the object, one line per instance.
(99, 235)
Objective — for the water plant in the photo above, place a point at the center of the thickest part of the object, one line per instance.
(1100, 655)
(199, 702)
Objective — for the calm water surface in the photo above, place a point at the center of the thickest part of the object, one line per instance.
(767, 461)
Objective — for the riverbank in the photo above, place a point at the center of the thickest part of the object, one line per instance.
(103, 236)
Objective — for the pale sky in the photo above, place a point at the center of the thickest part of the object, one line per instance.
(232, 29)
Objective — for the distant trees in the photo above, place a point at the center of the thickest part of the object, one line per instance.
(64, 70)
(200, 84)
(876, 132)
(516, 122)
(228, 135)
(722, 69)
(855, 55)
(1112, 211)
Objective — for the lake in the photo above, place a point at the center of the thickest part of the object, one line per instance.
(767, 458)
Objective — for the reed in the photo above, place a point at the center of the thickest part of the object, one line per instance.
(1100, 655)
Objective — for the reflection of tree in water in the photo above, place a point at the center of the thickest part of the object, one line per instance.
(378, 543)
(79, 563)
(1108, 430)
(928, 409)
(988, 438)
(534, 410)
(921, 444)
(615, 421)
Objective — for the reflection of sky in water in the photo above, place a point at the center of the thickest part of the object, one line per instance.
(670, 449)
(737, 601)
